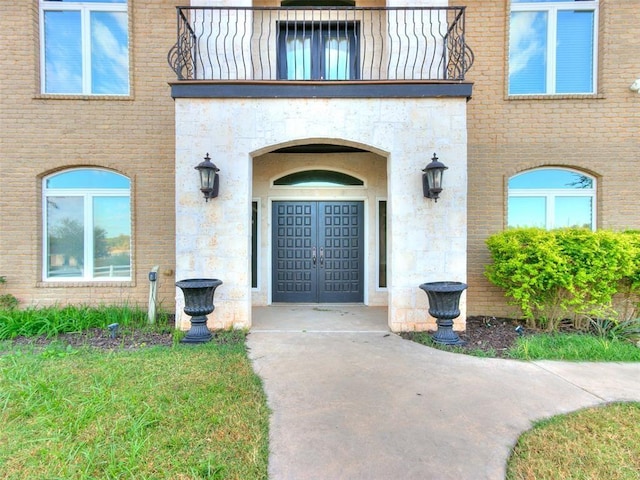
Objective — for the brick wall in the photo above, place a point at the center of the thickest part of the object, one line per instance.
(41, 134)
(133, 136)
(598, 135)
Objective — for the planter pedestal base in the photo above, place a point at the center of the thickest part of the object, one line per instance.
(445, 334)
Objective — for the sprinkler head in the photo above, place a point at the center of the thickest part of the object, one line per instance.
(113, 330)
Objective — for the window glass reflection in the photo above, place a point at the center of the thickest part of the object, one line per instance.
(63, 52)
(86, 178)
(574, 52)
(551, 178)
(527, 212)
(65, 236)
(111, 237)
(528, 53)
(109, 53)
(87, 226)
(551, 198)
(573, 212)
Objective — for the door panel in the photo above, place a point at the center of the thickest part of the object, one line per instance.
(341, 251)
(294, 234)
(318, 252)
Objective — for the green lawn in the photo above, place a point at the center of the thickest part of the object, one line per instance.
(185, 412)
(199, 412)
(597, 443)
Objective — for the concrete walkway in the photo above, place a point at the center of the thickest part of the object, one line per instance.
(352, 401)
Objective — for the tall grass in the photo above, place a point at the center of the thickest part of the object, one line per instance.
(574, 347)
(51, 321)
(185, 412)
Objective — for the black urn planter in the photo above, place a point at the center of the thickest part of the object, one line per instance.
(444, 306)
(198, 303)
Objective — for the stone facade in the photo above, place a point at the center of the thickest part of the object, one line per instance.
(213, 238)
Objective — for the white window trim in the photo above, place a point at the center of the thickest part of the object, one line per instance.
(552, 9)
(87, 194)
(550, 194)
(85, 10)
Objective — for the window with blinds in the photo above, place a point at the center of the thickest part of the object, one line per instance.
(552, 47)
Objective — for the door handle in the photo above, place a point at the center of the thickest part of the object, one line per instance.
(313, 255)
(321, 257)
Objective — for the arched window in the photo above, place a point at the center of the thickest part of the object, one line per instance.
(87, 225)
(318, 178)
(551, 198)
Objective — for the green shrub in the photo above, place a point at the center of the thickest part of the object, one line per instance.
(527, 264)
(565, 274)
(628, 330)
(597, 264)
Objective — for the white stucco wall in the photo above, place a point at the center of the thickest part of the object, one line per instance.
(427, 240)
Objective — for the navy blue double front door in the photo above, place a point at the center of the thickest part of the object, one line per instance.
(318, 252)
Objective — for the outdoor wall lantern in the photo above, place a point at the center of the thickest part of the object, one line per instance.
(209, 179)
(432, 178)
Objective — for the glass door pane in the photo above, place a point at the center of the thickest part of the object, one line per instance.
(299, 58)
(336, 58)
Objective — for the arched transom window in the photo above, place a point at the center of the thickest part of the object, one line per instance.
(551, 198)
(318, 178)
(87, 225)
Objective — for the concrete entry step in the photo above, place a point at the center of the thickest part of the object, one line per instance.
(319, 318)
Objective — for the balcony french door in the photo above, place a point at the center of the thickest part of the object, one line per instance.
(318, 51)
(318, 252)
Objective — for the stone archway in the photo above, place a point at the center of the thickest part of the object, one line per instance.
(370, 168)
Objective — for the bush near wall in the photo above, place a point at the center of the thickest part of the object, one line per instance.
(573, 273)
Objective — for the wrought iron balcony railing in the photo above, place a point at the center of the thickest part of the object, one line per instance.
(318, 43)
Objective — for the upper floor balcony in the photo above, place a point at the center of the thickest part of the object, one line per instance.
(352, 50)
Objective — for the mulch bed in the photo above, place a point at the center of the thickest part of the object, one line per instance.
(483, 333)
(487, 334)
(491, 333)
(101, 338)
